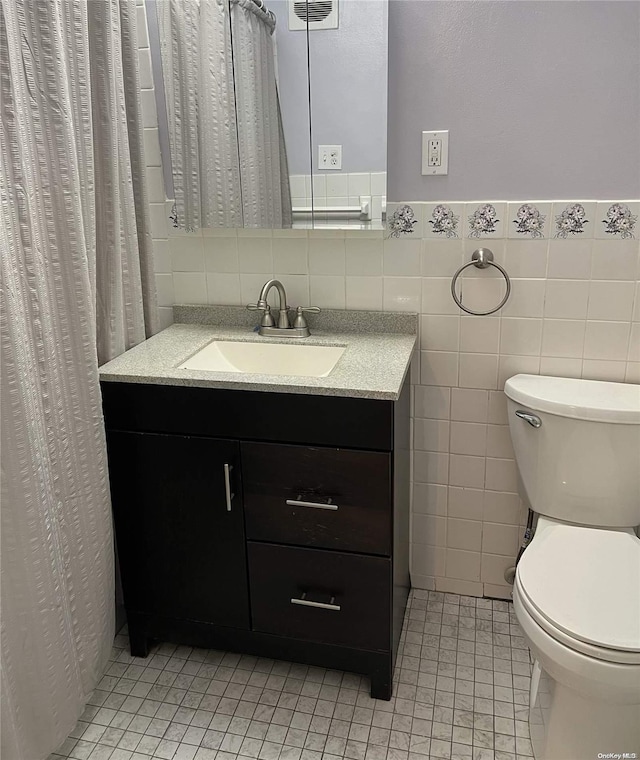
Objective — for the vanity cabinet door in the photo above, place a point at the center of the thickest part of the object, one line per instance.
(177, 502)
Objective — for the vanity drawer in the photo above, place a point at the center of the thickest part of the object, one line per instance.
(322, 497)
(318, 595)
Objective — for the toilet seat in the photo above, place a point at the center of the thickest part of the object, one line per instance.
(590, 650)
(582, 586)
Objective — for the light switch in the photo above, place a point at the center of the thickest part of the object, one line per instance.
(330, 157)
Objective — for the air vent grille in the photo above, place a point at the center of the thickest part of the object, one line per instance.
(317, 14)
(313, 11)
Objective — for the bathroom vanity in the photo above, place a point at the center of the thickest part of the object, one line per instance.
(260, 513)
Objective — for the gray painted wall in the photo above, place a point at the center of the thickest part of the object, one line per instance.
(542, 99)
(293, 89)
(348, 86)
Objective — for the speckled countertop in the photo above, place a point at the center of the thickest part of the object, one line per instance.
(379, 347)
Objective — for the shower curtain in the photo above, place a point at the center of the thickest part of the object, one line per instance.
(228, 155)
(74, 263)
(264, 172)
(125, 287)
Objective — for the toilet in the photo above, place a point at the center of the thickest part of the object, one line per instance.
(577, 586)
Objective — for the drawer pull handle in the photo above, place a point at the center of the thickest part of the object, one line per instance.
(313, 504)
(304, 602)
(227, 485)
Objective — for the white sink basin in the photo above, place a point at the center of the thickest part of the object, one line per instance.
(265, 358)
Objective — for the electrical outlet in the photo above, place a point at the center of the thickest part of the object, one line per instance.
(435, 152)
(330, 157)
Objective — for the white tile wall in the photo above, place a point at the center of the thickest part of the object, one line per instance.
(340, 189)
(467, 516)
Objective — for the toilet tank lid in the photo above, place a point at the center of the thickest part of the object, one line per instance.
(593, 400)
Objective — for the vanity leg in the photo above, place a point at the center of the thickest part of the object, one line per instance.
(381, 687)
(138, 641)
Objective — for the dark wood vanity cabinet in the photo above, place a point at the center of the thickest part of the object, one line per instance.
(268, 523)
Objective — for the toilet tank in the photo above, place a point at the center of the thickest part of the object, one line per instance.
(582, 464)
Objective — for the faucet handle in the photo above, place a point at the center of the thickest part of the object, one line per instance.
(300, 321)
(267, 319)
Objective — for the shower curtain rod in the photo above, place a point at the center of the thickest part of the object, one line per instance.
(263, 7)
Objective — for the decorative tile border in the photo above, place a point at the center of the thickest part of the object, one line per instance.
(444, 221)
(573, 220)
(401, 221)
(617, 220)
(516, 220)
(485, 220)
(529, 221)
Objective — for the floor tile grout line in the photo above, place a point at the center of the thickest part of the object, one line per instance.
(432, 697)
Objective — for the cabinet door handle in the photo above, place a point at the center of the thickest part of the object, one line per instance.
(227, 485)
(304, 602)
(313, 504)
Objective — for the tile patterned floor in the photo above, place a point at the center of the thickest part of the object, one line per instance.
(460, 691)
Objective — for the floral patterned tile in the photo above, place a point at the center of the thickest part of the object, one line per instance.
(529, 220)
(443, 221)
(516, 220)
(485, 220)
(404, 220)
(573, 220)
(618, 220)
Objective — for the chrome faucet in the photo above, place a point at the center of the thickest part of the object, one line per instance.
(284, 329)
(267, 319)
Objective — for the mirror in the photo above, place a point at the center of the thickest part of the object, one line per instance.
(340, 138)
(273, 113)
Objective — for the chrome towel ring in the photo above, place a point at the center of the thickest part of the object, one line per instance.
(482, 258)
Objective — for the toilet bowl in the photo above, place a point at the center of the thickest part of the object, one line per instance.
(585, 693)
(577, 585)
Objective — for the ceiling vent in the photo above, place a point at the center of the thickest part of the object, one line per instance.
(320, 14)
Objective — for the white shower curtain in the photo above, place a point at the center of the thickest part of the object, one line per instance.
(125, 283)
(228, 154)
(264, 170)
(74, 269)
